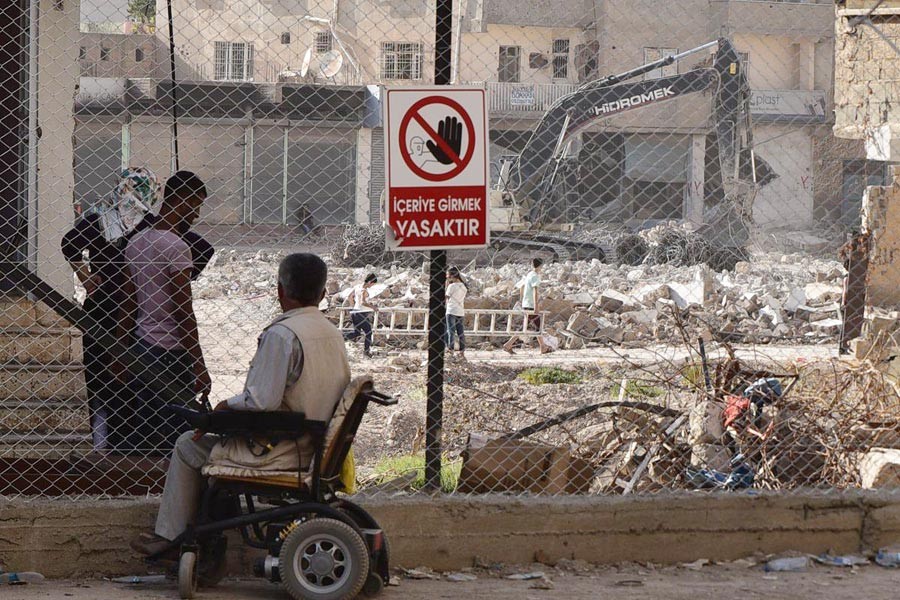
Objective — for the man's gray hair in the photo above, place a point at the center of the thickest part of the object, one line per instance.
(302, 277)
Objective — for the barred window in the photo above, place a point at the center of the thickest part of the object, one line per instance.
(508, 68)
(233, 61)
(560, 59)
(138, 54)
(104, 53)
(82, 53)
(324, 42)
(652, 54)
(401, 60)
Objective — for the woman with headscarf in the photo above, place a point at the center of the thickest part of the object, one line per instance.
(102, 233)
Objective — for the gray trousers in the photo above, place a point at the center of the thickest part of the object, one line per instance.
(181, 496)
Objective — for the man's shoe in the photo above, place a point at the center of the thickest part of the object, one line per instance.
(149, 544)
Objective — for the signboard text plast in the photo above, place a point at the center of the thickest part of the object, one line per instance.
(436, 144)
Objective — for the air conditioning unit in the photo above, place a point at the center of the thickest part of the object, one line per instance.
(536, 60)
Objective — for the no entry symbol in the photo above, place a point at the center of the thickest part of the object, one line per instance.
(448, 139)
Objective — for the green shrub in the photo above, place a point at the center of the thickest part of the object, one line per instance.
(637, 389)
(397, 466)
(542, 375)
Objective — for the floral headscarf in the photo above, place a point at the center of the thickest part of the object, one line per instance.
(137, 194)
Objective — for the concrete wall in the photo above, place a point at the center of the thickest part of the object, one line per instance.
(66, 538)
(881, 213)
(539, 13)
(867, 73)
(51, 209)
(121, 59)
(479, 52)
(788, 200)
(361, 27)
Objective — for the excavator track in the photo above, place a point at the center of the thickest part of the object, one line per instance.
(562, 248)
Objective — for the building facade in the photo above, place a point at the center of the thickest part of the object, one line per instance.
(287, 157)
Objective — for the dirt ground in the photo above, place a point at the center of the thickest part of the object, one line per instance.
(622, 583)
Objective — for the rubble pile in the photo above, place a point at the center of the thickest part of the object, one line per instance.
(832, 429)
(361, 245)
(771, 298)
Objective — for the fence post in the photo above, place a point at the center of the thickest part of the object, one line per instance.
(434, 408)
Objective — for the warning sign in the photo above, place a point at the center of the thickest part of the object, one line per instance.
(436, 146)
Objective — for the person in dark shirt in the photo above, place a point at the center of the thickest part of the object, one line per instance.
(102, 233)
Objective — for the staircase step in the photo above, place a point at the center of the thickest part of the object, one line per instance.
(40, 345)
(42, 382)
(43, 446)
(35, 416)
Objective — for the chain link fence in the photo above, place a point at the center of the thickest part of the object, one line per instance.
(660, 308)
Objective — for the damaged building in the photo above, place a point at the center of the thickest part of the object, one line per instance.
(656, 163)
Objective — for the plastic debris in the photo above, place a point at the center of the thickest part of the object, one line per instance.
(21, 578)
(460, 577)
(849, 560)
(888, 558)
(793, 563)
(421, 573)
(140, 579)
(526, 576)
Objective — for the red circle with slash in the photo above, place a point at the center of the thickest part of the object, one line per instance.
(461, 161)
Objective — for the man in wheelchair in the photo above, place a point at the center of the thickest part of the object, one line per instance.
(285, 434)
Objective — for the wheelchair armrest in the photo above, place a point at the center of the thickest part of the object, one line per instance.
(379, 398)
(281, 423)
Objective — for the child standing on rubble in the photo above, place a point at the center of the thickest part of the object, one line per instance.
(529, 285)
(456, 296)
(362, 313)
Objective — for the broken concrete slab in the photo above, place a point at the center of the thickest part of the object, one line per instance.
(617, 302)
(880, 468)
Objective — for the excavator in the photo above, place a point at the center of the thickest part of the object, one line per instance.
(529, 197)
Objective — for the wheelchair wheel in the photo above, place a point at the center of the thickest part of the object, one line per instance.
(187, 575)
(323, 559)
(374, 583)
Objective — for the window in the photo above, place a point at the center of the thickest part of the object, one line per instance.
(82, 53)
(560, 59)
(401, 60)
(234, 61)
(138, 54)
(508, 69)
(745, 62)
(104, 53)
(286, 37)
(654, 54)
(324, 42)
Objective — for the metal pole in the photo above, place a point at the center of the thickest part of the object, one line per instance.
(434, 407)
(174, 90)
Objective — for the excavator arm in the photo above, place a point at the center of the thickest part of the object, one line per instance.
(533, 175)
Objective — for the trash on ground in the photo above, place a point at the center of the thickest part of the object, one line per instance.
(849, 560)
(526, 576)
(421, 573)
(793, 563)
(460, 577)
(696, 565)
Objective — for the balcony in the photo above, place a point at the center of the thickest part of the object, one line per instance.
(520, 99)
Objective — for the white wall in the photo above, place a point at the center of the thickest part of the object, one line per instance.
(51, 209)
(788, 200)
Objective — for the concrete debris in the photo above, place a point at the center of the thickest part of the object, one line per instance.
(880, 468)
(696, 565)
(765, 298)
(543, 583)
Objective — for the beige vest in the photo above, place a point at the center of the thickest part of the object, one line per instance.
(325, 374)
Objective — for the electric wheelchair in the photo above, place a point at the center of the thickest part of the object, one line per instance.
(318, 545)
